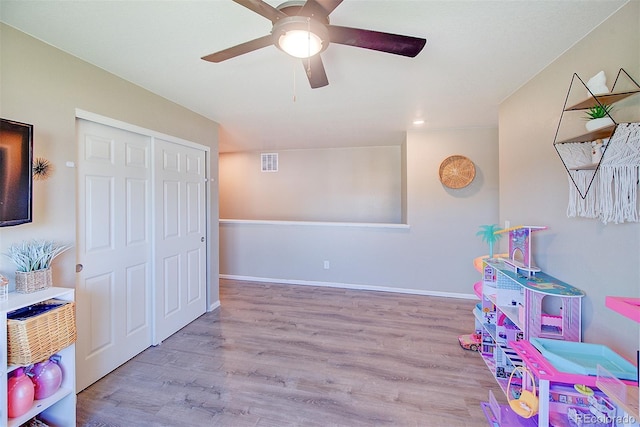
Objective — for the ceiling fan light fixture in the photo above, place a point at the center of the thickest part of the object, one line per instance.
(300, 37)
(300, 43)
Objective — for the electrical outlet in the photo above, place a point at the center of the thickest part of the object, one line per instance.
(327, 265)
(507, 224)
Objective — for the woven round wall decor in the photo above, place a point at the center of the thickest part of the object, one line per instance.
(457, 171)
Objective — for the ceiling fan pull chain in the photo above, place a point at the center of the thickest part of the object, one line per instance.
(294, 83)
(308, 45)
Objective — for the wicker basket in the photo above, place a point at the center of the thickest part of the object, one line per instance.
(33, 281)
(36, 338)
(456, 172)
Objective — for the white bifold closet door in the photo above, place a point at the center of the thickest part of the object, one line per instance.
(140, 244)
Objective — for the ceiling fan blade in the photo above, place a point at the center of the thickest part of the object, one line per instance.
(262, 8)
(319, 9)
(315, 72)
(240, 49)
(376, 40)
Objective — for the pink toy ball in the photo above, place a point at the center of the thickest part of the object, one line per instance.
(46, 377)
(20, 394)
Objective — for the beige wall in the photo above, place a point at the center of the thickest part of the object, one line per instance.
(600, 259)
(43, 86)
(360, 184)
(433, 254)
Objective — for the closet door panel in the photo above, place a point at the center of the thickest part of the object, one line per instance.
(180, 244)
(113, 249)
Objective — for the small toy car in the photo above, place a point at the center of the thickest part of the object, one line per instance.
(470, 341)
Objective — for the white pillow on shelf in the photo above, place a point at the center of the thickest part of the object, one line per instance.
(598, 84)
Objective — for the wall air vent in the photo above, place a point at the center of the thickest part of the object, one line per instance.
(269, 162)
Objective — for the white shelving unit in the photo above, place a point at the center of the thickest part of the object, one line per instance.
(59, 409)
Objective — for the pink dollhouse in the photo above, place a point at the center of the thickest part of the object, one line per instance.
(547, 307)
(520, 255)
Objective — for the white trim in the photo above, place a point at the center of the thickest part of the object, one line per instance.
(108, 121)
(351, 286)
(314, 223)
(214, 306)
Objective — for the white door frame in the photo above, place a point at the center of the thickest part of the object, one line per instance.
(97, 118)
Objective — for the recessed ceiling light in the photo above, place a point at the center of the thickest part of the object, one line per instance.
(418, 122)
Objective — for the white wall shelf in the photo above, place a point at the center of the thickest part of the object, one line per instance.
(58, 409)
(575, 149)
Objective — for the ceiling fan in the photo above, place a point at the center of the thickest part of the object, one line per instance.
(308, 23)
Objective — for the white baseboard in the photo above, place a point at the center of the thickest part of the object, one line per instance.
(351, 286)
(214, 305)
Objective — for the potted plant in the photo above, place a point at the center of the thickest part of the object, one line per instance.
(598, 117)
(33, 261)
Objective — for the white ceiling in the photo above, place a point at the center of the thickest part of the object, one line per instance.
(477, 53)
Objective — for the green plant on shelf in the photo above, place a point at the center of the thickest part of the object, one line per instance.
(598, 111)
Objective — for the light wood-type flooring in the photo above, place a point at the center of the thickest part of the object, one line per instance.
(286, 355)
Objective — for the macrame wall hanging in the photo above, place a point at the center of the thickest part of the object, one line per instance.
(613, 192)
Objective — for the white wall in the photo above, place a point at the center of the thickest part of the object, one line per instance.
(433, 254)
(599, 259)
(43, 86)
